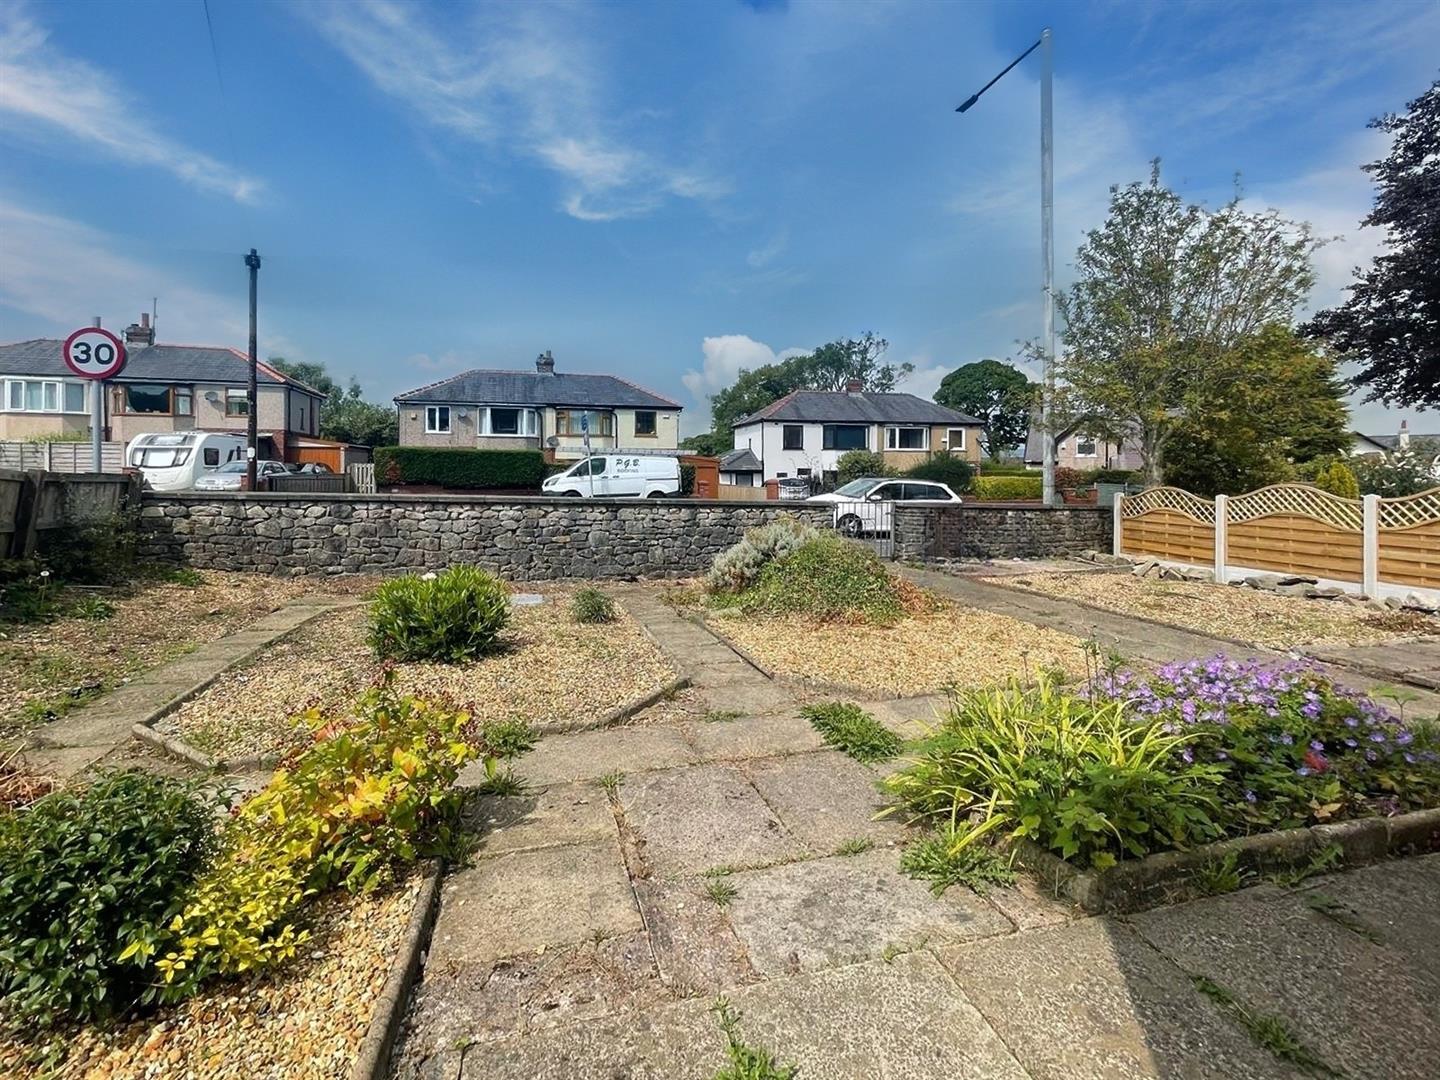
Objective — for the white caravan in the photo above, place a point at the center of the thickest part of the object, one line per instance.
(617, 475)
(174, 460)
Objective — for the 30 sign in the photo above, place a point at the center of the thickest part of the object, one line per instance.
(93, 353)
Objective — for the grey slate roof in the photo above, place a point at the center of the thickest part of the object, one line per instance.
(154, 363)
(1392, 442)
(741, 460)
(481, 387)
(842, 407)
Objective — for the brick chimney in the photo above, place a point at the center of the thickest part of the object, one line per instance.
(1404, 439)
(140, 334)
(545, 363)
(854, 386)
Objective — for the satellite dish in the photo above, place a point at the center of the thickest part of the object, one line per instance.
(552, 441)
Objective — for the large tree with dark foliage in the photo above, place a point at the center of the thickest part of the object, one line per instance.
(1390, 325)
(345, 416)
(995, 393)
(830, 367)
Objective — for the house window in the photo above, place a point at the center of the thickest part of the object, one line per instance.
(955, 438)
(43, 395)
(1084, 445)
(437, 419)
(792, 437)
(150, 398)
(570, 422)
(236, 403)
(907, 438)
(506, 421)
(183, 402)
(845, 437)
(645, 423)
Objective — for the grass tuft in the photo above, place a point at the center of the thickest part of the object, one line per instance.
(503, 782)
(720, 890)
(1326, 859)
(720, 716)
(851, 729)
(1219, 876)
(856, 845)
(946, 858)
(746, 1062)
(1268, 1031)
(592, 606)
(611, 782)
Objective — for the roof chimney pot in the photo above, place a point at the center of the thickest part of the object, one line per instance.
(854, 386)
(545, 363)
(141, 333)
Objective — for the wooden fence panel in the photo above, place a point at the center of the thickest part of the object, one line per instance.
(1169, 534)
(1411, 556)
(1296, 544)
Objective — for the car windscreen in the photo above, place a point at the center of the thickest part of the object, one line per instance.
(232, 467)
(856, 488)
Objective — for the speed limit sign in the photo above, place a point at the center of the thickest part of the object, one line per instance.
(93, 353)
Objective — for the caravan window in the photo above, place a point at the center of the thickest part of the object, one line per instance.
(211, 456)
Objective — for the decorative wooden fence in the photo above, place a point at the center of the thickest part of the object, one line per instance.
(61, 457)
(1381, 545)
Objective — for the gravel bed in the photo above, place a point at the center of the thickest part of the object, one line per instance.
(48, 668)
(552, 671)
(923, 654)
(1230, 611)
(304, 1020)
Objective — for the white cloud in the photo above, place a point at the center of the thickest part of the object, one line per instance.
(725, 356)
(766, 254)
(40, 98)
(516, 80)
(64, 272)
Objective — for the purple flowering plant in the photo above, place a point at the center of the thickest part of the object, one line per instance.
(1291, 747)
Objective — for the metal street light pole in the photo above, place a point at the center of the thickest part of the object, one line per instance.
(1047, 241)
(252, 263)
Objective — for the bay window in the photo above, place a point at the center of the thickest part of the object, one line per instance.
(522, 423)
(44, 396)
(571, 422)
(907, 438)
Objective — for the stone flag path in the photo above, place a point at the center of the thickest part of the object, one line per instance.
(648, 868)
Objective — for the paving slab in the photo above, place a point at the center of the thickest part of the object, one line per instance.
(559, 814)
(690, 820)
(872, 1021)
(910, 718)
(1396, 902)
(1092, 1001)
(514, 904)
(694, 945)
(1415, 662)
(1363, 1008)
(752, 737)
(750, 698)
(826, 912)
(589, 755)
(824, 799)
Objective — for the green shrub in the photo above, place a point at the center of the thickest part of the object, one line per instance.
(687, 480)
(92, 607)
(1115, 476)
(1401, 472)
(592, 606)
(28, 591)
(1068, 479)
(851, 729)
(373, 792)
(945, 469)
(1008, 487)
(453, 616)
(1079, 776)
(459, 467)
(854, 464)
(89, 878)
(826, 578)
(1337, 479)
(95, 553)
(738, 567)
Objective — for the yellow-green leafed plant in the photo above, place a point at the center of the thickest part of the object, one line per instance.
(1087, 779)
(451, 616)
(374, 791)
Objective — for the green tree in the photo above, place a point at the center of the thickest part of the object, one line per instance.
(1391, 323)
(707, 443)
(1163, 292)
(1275, 402)
(830, 367)
(345, 416)
(855, 464)
(996, 394)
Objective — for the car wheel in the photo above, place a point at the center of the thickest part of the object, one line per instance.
(850, 525)
(571, 495)
(656, 495)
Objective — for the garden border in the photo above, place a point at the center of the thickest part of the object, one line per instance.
(1169, 877)
(372, 1059)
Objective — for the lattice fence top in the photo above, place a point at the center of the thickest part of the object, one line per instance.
(1298, 499)
(1408, 510)
(1168, 498)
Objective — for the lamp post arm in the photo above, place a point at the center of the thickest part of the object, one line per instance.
(973, 98)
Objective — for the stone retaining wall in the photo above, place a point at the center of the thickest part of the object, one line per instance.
(520, 538)
(1000, 531)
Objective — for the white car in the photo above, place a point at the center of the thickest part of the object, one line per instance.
(864, 507)
(228, 477)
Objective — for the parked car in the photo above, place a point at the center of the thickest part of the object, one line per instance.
(864, 507)
(791, 488)
(314, 468)
(175, 460)
(611, 475)
(228, 477)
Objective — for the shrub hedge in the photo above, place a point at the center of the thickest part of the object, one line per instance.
(453, 616)
(1008, 487)
(459, 467)
(956, 472)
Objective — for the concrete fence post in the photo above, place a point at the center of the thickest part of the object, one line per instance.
(1117, 509)
(1222, 536)
(1370, 576)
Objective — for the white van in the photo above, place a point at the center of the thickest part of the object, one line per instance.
(617, 475)
(174, 460)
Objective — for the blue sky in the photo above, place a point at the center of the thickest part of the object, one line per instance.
(667, 191)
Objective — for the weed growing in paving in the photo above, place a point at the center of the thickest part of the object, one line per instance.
(1336, 910)
(504, 783)
(720, 890)
(720, 716)
(952, 858)
(1326, 859)
(504, 740)
(1219, 876)
(611, 782)
(1270, 1032)
(746, 1062)
(849, 728)
(592, 606)
(897, 949)
(856, 845)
